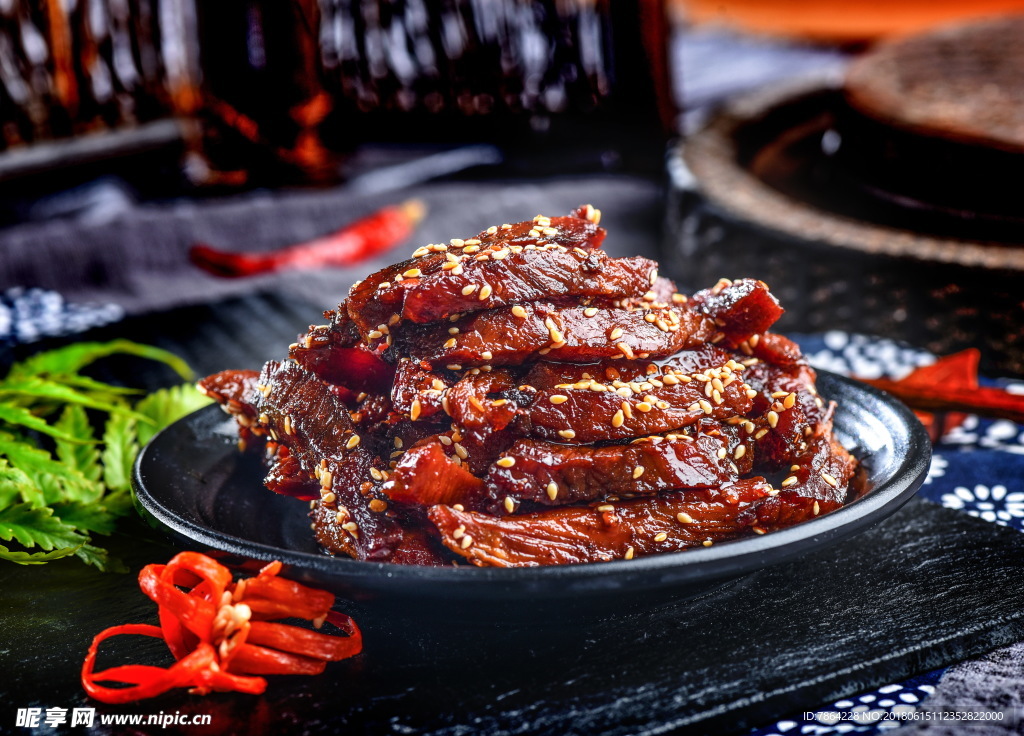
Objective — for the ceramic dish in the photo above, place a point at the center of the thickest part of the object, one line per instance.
(192, 480)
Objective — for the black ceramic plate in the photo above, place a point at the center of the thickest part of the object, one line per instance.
(192, 479)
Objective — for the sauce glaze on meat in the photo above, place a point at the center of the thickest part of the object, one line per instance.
(519, 398)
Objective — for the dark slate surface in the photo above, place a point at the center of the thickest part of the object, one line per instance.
(926, 588)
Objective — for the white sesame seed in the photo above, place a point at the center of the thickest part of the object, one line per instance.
(558, 399)
(566, 433)
(353, 441)
(505, 462)
(660, 537)
(552, 490)
(467, 290)
(638, 471)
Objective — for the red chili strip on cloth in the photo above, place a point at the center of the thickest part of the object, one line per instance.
(355, 242)
(222, 633)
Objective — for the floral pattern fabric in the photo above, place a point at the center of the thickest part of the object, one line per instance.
(953, 481)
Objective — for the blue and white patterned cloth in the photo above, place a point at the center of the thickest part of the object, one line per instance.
(996, 445)
(28, 315)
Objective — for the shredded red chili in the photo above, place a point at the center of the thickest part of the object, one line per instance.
(222, 633)
(361, 239)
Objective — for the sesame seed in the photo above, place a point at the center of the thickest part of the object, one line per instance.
(705, 406)
(615, 334)
(629, 554)
(500, 255)
(684, 518)
(466, 541)
(450, 343)
(830, 480)
(375, 474)
(412, 273)
(328, 497)
(505, 462)
(492, 229)
(761, 433)
(590, 311)
(510, 505)
(558, 399)
(552, 490)
(625, 350)
(415, 409)
(789, 401)
(817, 508)
(660, 537)
(707, 542)
(467, 290)
(638, 471)
(485, 292)
(454, 367)
(486, 355)
(459, 532)
(741, 450)
(790, 481)
(378, 506)
(566, 433)
(773, 419)
(605, 508)
(519, 312)
(618, 418)
(353, 441)
(644, 407)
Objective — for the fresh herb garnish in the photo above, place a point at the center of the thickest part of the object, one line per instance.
(67, 444)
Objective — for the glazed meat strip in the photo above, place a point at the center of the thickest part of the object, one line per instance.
(786, 411)
(300, 413)
(667, 522)
(421, 288)
(335, 354)
(529, 332)
(817, 483)
(419, 545)
(552, 474)
(418, 392)
(431, 472)
(739, 308)
(592, 411)
(235, 392)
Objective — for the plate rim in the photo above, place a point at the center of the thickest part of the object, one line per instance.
(728, 559)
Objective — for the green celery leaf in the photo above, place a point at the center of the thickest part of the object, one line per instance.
(120, 446)
(71, 359)
(37, 527)
(37, 388)
(100, 558)
(166, 406)
(15, 484)
(36, 558)
(85, 517)
(85, 458)
(38, 465)
(119, 503)
(25, 418)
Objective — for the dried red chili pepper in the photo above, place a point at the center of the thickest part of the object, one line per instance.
(950, 385)
(361, 239)
(221, 633)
